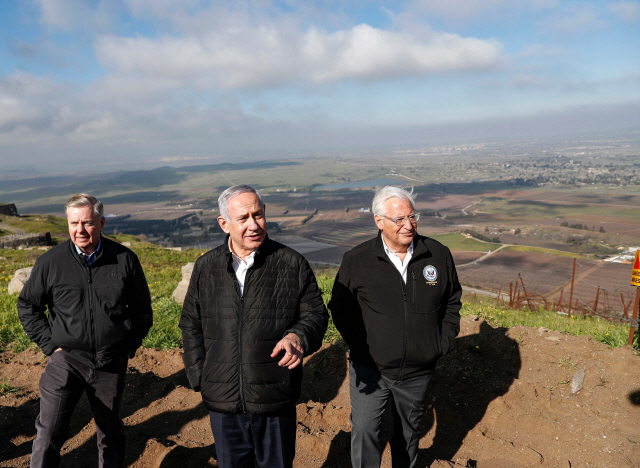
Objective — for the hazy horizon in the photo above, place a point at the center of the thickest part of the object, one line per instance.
(133, 84)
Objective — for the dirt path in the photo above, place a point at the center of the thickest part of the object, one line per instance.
(12, 229)
(501, 399)
(485, 256)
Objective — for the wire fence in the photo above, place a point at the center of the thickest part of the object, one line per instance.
(580, 295)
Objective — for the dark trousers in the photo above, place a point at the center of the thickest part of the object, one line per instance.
(369, 392)
(61, 386)
(247, 441)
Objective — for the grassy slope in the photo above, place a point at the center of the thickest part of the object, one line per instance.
(37, 223)
(457, 241)
(162, 269)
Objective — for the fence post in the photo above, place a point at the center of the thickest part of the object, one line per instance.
(559, 304)
(525, 293)
(499, 294)
(634, 324)
(573, 277)
(595, 306)
(510, 295)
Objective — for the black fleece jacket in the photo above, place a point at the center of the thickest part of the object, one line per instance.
(98, 314)
(400, 329)
(228, 338)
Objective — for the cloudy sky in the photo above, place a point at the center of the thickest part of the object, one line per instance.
(110, 82)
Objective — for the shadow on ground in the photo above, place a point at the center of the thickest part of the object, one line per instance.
(478, 370)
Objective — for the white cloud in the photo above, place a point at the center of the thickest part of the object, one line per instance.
(68, 15)
(626, 11)
(463, 11)
(235, 57)
(576, 18)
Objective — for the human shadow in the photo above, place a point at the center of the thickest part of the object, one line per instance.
(143, 389)
(634, 398)
(324, 373)
(17, 426)
(478, 370)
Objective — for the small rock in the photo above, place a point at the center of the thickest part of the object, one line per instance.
(578, 381)
(20, 277)
(181, 291)
(127, 244)
(552, 338)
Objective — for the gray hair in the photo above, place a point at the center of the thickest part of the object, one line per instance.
(84, 199)
(388, 192)
(227, 195)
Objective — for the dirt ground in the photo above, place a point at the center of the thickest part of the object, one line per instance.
(501, 399)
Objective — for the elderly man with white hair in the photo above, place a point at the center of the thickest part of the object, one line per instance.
(253, 310)
(396, 302)
(87, 306)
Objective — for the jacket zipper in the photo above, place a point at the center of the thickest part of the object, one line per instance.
(406, 330)
(92, 317)
(240, 326)
(240, 378)
(413, 275)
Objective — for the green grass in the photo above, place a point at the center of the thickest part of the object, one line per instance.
(37, 223)
(612, 334)
(5, 388)
(456, 242)
(524, 248)
(163, 272)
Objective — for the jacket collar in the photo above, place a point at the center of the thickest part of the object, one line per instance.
(264, 248)
(419, 246)
(104, 245)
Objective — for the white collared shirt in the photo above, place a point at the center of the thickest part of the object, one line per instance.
(241, 266)
(399, 264)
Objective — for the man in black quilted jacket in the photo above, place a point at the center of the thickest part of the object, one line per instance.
(98, 311)
(253, 310)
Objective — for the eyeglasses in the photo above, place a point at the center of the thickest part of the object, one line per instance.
(413, 219)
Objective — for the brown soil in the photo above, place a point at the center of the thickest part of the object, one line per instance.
(502, 398)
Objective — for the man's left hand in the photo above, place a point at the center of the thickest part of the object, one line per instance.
(293, 353)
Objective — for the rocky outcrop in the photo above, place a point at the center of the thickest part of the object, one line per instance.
(13, 241)
(8, 209)
(19, 278)
(181, 291)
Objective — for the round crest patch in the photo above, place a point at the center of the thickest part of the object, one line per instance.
(430, 273)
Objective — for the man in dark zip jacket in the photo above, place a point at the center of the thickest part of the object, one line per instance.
(99, 310)
(396, 302)
(253, 310)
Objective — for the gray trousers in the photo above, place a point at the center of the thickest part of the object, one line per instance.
(61, 386)
(369, 394)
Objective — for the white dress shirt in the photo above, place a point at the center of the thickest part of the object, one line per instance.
(241, 266)
(399, 264)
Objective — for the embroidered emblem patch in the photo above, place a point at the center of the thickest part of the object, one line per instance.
(430, 273)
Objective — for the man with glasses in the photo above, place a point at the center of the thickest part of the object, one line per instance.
(396, 302)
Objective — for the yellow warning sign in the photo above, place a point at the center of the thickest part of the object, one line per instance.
(635, 274)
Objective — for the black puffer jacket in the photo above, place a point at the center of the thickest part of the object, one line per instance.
(229, 338)
(400, 329)
(98, 314)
